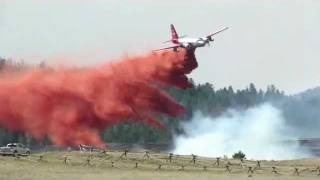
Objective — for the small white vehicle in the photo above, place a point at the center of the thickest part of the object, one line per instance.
(15, 149)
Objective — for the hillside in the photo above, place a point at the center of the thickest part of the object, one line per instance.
(302, 113)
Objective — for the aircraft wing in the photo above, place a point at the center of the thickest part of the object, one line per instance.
(172, 47)
(217, 32)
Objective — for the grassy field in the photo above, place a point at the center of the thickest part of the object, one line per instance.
(96, 166)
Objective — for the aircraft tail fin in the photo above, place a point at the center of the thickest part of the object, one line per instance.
(174, 34)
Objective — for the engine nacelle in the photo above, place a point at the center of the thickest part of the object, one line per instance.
(189, 46)
(210, 38)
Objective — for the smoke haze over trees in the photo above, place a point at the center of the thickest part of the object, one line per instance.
(300, 111)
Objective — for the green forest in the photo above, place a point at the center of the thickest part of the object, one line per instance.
(202, 97)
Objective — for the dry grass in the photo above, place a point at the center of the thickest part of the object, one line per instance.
(52, 167)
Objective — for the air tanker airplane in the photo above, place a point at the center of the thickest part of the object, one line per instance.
(188, 43)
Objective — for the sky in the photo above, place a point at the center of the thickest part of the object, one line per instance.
(268, 41)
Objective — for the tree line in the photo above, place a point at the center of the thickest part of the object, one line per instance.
(202, 97)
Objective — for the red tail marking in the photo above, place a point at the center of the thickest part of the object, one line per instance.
(174, 34)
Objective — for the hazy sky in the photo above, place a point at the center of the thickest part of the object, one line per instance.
(269, 41)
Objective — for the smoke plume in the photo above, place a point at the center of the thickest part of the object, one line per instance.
(259, 132)
(71, 106)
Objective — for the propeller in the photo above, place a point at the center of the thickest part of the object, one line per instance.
(208, 41)
(210, 38)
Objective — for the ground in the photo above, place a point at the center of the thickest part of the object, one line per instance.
(94, 166)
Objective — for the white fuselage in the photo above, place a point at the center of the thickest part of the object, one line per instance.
(192, 42)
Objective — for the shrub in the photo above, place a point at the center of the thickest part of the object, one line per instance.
(239, 155)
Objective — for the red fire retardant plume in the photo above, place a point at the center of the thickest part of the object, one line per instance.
(72, 106)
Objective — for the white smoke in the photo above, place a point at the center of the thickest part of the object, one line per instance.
(259, 132)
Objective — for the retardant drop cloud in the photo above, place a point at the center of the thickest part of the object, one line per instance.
(71, 106)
